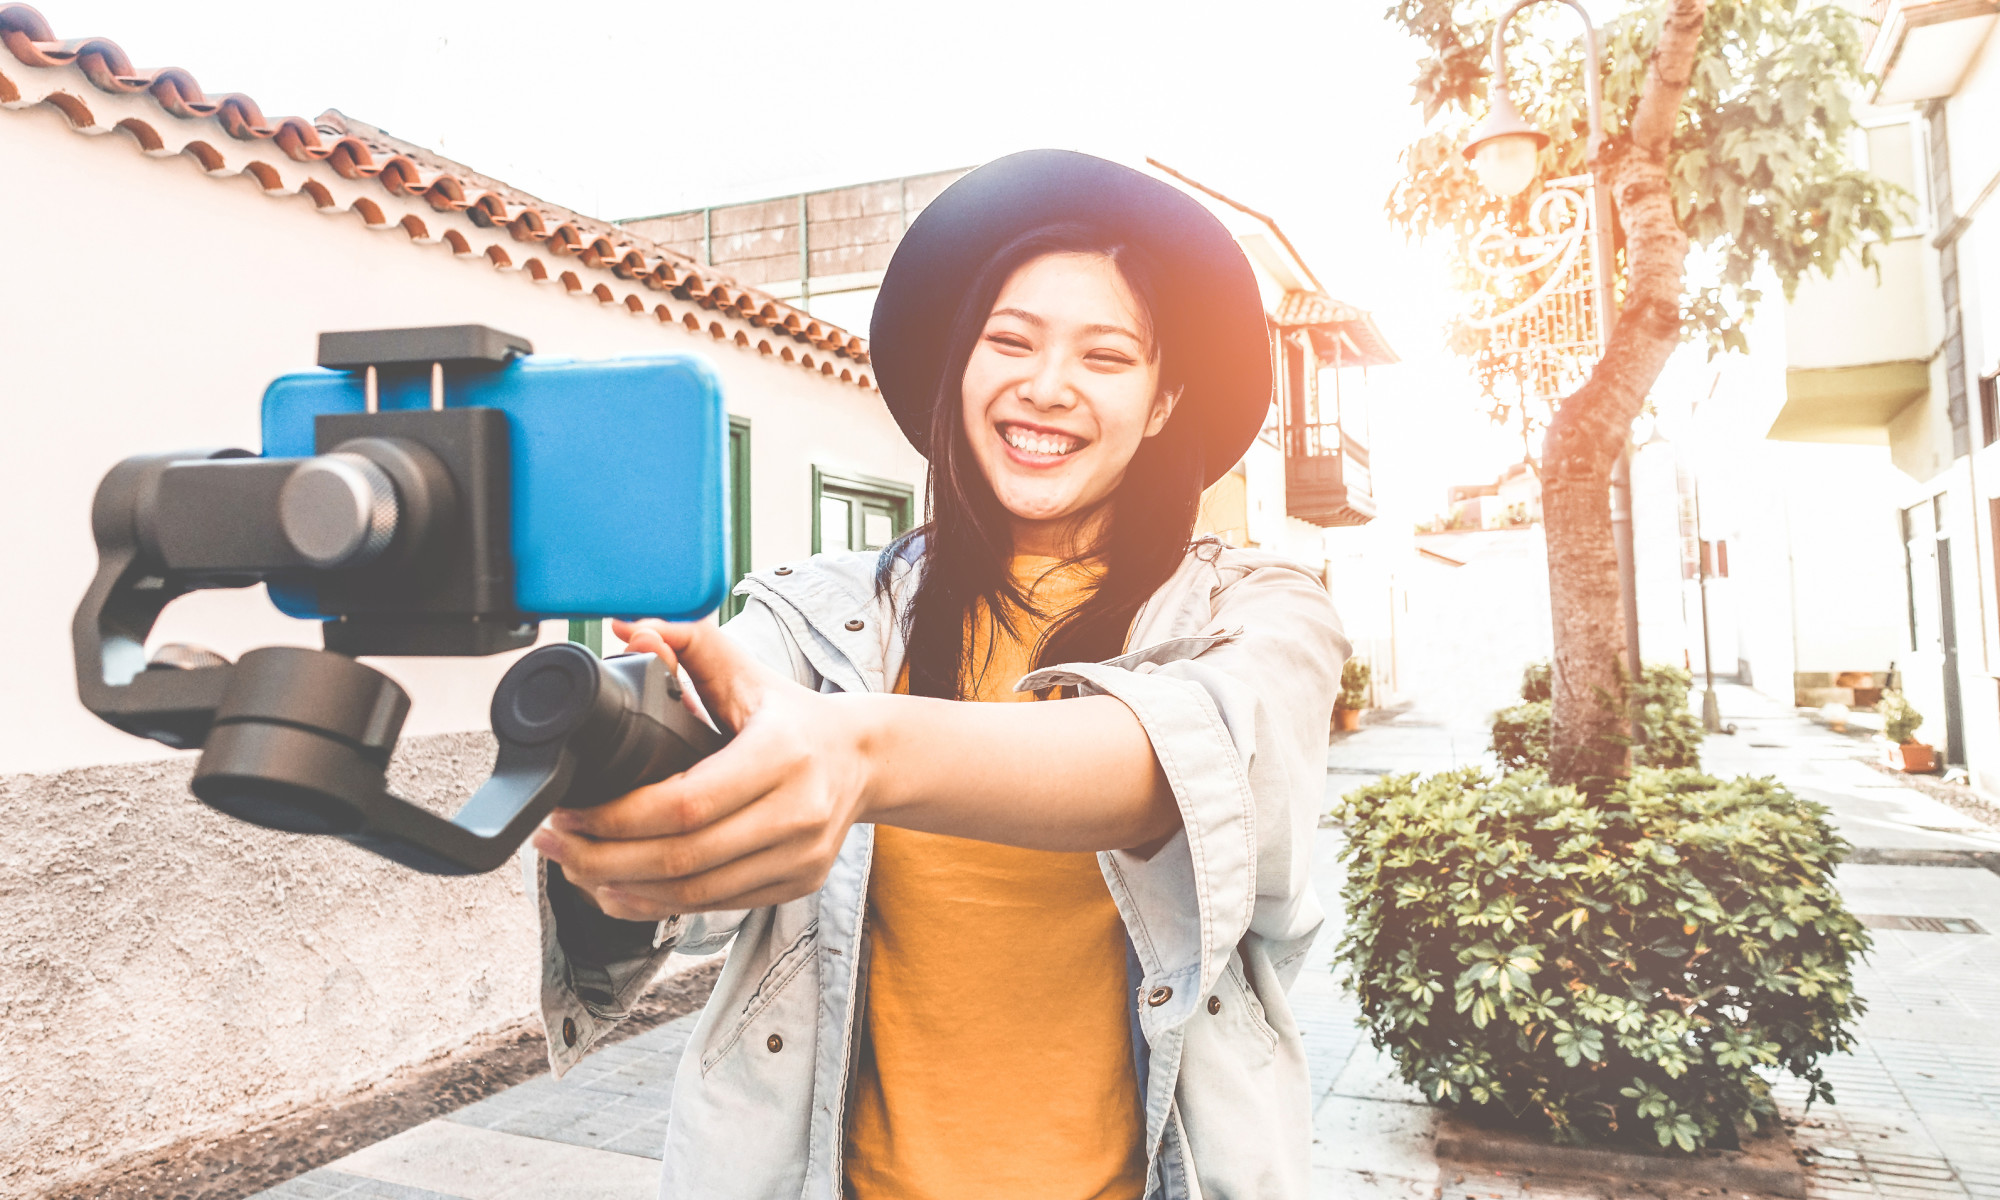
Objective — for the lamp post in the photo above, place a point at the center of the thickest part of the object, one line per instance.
(1502, 150)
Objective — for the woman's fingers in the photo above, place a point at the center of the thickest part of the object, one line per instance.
(777, 820)
(770, 876)
(729, 679)
(645, 637)
(736, 775)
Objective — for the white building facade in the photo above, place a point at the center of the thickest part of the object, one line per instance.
(1907, 361)
(166, 973)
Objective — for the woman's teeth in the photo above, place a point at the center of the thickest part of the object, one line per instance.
(1030, 442)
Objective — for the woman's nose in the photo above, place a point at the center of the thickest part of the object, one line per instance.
(1051, 386)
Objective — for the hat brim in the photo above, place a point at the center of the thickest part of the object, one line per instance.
(1210, 316)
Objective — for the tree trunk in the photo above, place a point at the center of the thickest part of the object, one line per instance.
(1590, 732)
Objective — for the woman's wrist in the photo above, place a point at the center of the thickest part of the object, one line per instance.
(869, 729)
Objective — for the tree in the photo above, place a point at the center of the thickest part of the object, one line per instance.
(1727, 129)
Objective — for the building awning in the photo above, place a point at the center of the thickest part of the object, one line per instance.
(1848, 404)
(1922, 48)
(1341, 333)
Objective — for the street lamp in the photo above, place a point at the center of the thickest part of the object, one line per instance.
(1504, 148)
(1503, 151)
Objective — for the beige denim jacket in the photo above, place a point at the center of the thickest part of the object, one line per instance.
(1233, 669)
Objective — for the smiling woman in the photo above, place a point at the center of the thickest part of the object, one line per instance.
(979, 944)
(1061, 391)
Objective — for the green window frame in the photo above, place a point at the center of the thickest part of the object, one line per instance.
(739, 513)
(854, 512)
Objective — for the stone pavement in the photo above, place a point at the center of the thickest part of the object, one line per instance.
(1919, 1111)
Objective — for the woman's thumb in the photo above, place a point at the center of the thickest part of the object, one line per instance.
(725, 675)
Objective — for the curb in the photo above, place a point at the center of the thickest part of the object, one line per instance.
(1769, 1165)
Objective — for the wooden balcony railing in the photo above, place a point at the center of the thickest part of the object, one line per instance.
(1330, 487)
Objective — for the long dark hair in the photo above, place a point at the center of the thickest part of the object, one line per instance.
(967, 542)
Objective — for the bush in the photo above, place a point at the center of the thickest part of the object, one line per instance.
(1521, 736)
(1900, 721)
(1537, 682)
(1354, 676)
(1619, 970)
(1669, 734)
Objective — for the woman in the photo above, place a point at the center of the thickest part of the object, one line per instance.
(992, 949)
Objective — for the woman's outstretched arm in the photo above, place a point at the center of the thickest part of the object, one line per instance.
(760, 821)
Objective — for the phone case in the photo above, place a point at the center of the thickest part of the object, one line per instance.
(619, 475)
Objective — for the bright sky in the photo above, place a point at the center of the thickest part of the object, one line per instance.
(622, 109)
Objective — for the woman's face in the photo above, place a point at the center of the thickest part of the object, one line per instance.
(1061, 388)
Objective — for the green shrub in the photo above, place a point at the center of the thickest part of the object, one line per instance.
(1538, 682)
(1669, 734)
(1354, 676)
(1900, 720)
(1521, 736)
(1626, 970)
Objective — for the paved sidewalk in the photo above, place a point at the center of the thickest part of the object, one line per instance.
(1919, 1112)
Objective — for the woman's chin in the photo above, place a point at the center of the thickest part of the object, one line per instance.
(1045, 510)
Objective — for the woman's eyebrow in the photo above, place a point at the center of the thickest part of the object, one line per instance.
(1020, 314)
(1114, 329)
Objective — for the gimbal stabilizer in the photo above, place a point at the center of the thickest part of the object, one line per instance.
(399, 524)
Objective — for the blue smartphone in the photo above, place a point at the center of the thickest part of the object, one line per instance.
(620, 476)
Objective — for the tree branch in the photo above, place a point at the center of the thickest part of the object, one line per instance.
(1667, 75)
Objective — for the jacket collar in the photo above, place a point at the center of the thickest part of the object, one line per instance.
(852, 634)
(848, 630)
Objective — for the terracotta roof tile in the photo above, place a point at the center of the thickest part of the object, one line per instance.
(1329, 320)
(344, 165)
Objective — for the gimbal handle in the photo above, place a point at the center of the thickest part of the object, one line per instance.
(302, 738)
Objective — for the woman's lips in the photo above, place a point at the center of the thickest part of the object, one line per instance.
(1035, 446)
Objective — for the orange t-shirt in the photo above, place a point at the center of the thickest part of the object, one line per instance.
(996, 1054)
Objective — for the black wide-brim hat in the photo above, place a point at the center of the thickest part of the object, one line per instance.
(1210, 314)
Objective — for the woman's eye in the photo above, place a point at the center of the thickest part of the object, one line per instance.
(1008, 341)
(1109, 358)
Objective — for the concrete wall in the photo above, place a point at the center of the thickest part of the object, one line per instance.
(164, 971)
(1465, 632)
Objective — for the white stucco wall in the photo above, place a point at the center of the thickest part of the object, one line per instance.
(164, 971)
(148, 308)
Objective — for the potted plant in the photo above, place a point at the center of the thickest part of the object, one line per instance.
(1900, 722)
(1353, 697)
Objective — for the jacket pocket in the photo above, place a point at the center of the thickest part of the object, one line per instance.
(1243, 1094)
(783, 970)
(1233, 990)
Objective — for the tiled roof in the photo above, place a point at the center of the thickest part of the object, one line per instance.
(344, 166)
(1327, 319)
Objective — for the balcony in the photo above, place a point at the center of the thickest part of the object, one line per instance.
(1327, 481)
(1330, 489)
(1922, 48)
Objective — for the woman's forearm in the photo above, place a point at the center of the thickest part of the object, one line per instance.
(1052, 775)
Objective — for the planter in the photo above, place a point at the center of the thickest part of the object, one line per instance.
(1768, 1163)
(1347, 720)
(1918, 759)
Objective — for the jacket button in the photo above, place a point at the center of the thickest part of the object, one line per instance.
(1214, 1005)
(1159, 996)
(856, 625)
(782, 571)
(569, 1032)
(774, 1043)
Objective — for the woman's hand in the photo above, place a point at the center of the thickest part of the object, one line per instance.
(758, 822)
